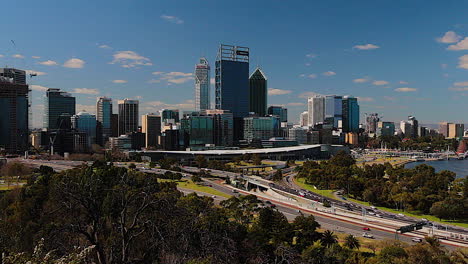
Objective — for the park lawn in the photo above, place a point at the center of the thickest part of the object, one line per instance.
(329, 193)
(366, 243)
(188, 184)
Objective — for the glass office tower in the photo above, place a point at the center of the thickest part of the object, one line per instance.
(128, 116)
(104, 117)
(350, 114)
(279, 111)
(202, 85)
(85, 122)
(258, 92)
(232, 84)
(14, 110)
(56, 103)
(333, 109)
(261, 128)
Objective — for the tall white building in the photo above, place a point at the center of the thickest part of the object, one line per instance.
(202, 85)
(405, 128)
(304, 119)
(316, 107)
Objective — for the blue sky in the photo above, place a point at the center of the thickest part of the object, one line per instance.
(399, 57)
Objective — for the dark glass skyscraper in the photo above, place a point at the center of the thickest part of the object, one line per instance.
(56, 103)
(258, 92)
(128, 116)
(279, 111)
(232, 84)
(104, 116)
(14, 106)
(350, 114)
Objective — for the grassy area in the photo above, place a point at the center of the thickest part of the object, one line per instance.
(329, 193)
(366, 243)
(187, 184)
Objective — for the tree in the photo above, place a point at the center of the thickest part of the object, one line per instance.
(201, 161)
(256, 159)
(305, 231)
(278, 176)
(352, 242)
(328, 238)
(195, 178)
(465, 187)
(132, 166)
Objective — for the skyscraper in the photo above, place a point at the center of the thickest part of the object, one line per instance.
(350, 114)
(151, 126)
(304, 119)
(414, 126)
(333, 109)
(232, 84)
(261, 128)
(170, 116)
(202, 85)
(279, 111)
(316, 107)
(56, 103)
(371, 122)
(128, 116)
(104, 117)
(85, 122)
(18, 76)
(222, 127)
(14, 109)
(258, 92)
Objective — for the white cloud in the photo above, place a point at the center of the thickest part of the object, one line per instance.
(157, 105)
(48, 63)
(105, 47)
(74, 63)
(85, 91)
(312, 76)
(174, 77)
(361, 80)
(130, 59)
(154, 81)
(365, 99)
(461, 84)
(119, 81)
(273, 91)
(18, 56)
(449, 37)
(329, 73)
(1, 56)
(308, 94)
(295, 104)
(87, 108)
(366, 47)
(157, 72)
(402, 82)
(311, 55)
(38, 87)
(172, 19)
(463, 62)
(462, 45)
(38, 73)
(301, 75)
(405, 89)
(380, 83)
(459, 89)
(35, 57)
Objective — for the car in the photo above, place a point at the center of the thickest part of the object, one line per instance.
(416, 239)
(401, 215)
(378, 215)
(424, 220)
(213, 196)
(366, 228)
(373, 207)
(367, 235)
(370, 213)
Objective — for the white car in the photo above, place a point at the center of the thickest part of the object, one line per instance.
(401, 215)
(416, 239)
(367, 235)
(380, 216)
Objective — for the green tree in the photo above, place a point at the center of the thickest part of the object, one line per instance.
(196, 178)
(305, 231)
(352, 242)
(278, 176)
(328, 238)
(256, 159)
(201, 161)
(132, 166)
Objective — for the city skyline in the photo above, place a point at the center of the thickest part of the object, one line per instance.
(377, 58)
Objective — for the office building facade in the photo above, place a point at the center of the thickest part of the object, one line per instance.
(104, 118)
(14, 115)
(128, 116)
(316, 109)
(18, 76)
(261, 128)
(202, 85)
(279, 111)
(170, 116)
(151, 126)
(258, 93)
(86, 123)
(304, 119)
(350, 120)
(56, 103)
(385, 128)
(371, 123)
(223, 127)
(333, 109)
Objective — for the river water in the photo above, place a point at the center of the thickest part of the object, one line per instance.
(460, 167)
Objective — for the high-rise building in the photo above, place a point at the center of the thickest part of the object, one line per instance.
(261, 128)
(223, 125)
(279, 111)
(414, 126)
(18, 76)
(114, 125)
(258, 92)
(455, 130)
(202, 85)
(371, 123)
(151, 126)
(443, 128)
(316, 107)
(14, 113)
(304, 119)
(385, 128)
(232, 84)
(405, 128)
(56, 103)
(197, 129)
(333, 109)
(298, 134)
(170, 116)
(104, 117)
(128, 116)
(350, 114)
(85, 122)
